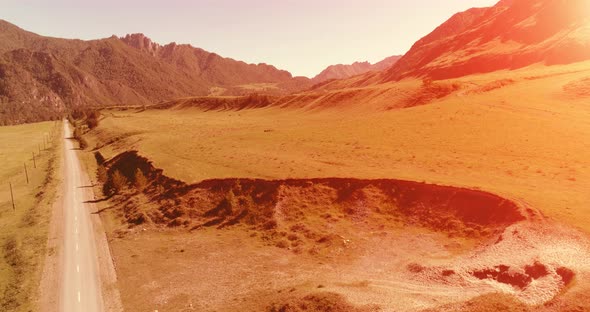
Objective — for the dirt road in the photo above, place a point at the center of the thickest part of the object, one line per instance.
(81, 289)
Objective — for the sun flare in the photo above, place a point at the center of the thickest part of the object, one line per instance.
(297, 156)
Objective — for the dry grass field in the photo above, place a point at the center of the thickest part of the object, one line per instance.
(519, 134)
(24, 230)
(526, 140)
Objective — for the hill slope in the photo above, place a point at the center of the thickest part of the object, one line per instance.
(511, 34)
(42, 76)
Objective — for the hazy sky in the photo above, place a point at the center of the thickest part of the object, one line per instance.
(301, 36)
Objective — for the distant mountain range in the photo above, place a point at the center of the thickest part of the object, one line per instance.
(40, 76)
(341, 71)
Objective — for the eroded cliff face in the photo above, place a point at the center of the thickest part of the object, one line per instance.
(267, 204)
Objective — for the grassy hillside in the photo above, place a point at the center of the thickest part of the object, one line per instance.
(23, 234)
(509, 35)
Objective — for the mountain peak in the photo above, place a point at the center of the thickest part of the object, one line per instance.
(142, 43)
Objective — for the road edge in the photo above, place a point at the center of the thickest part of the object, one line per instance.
(49, 298)
(111, 296)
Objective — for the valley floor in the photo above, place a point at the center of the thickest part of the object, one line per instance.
(521, 135)
(527, 141)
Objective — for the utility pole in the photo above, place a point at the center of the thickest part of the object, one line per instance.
(26, 173)
(12, 197)
(34, 162)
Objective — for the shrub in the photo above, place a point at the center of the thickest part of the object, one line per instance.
(77, 133)
(141, 181)
(78, 136)
(282, 244)
(12, 253)
(99, 158)
(77, 114)
(93, 119)
(92, 123)
(83, 143)
(119, 181)
(101, 174)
